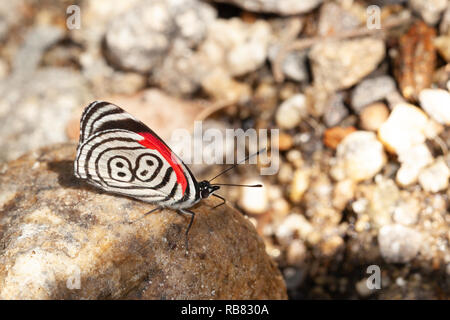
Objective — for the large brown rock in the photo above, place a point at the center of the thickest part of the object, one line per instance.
(62, 239)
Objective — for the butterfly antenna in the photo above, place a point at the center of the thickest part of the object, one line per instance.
(238, 185)
(235, 165)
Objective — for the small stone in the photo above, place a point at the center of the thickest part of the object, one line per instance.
(399, 244)
(266, 96)
(299, 185)
(343, 192)
(429, 10)
(363, 289)
(181, 72)
(436, 102)
(407, 212)
(221, 87)
(295, 67)
(281, 207)
(293, 224)
(335, 19)
(373, 116)
(412, 161)
(254, 200)
(141, 37)
(370, 91)
(434, 178)
(350, 60)
(444, 28)
(285, 141)
(442, 44)
(333, 136)
(282, 7)
(383, 201)
(295, 157)
(296, 253)
(359, 156)
(285, 173)
(334, 110)
(235, 46)
(330, 245)
(290, 112)
(404, 128)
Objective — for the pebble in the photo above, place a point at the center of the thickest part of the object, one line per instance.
(222, 87)
(294, 156)
(236, 46)
(140, 39)
(290, 113)
(350, 60)
(429, 10)
(335, 19)
(444, 27)
(282, 7)
(359, 156)
(254, 200)
(181, 72)
(407, 211)
(412, 161)
(373, 116)
(362, 288)
(399, 244)
(436, 103)
(335, 110)
(295, 66)
(343, 192)
(281, 207)
(293, 224)
(285, 141)
(296, 253)
(333, 136)
(370, 91)
(434, 178)
(285, 173)
(299, 184)
(404, 128)
(442, 44)
(383, 201)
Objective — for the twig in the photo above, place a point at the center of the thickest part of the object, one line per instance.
(205, 113)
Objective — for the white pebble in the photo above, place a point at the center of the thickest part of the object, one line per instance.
(435, 177)
(436, 102)
(404, 128)
(412, 160)
(359, 156)
(291, 112)
(399, 244)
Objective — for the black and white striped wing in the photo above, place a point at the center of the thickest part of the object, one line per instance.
(120, 154)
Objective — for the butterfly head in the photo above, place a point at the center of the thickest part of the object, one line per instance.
(206, 189)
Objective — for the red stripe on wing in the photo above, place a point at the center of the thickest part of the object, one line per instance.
(152, 142)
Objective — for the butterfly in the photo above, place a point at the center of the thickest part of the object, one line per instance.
(121, 155)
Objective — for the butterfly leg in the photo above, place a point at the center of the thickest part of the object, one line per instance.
(220, 197)
(146, 214)
(185, 211)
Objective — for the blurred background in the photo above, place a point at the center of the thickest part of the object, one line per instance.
(358, 89)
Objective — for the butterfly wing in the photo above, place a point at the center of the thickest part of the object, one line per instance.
(120, 154)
